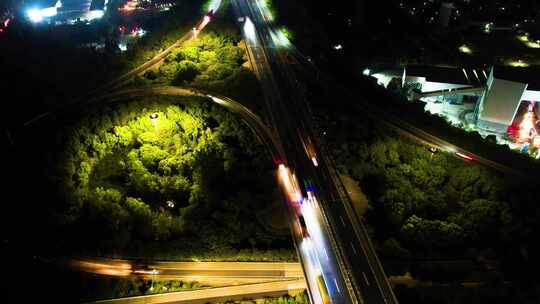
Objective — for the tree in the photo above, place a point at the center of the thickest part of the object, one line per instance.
(186, 72)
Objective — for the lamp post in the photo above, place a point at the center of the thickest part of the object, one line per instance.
(154, 117)
(153, 277)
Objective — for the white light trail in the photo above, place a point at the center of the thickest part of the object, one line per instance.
(249, 30)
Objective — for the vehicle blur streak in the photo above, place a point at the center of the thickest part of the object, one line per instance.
(467, 157)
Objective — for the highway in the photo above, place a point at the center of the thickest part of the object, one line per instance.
(310, 252)
(160, 270)
(219, 294)
(353, 267)
(424, 137)
(336, 245)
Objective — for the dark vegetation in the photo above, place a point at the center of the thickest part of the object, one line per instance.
(435, 216)
(300, 298)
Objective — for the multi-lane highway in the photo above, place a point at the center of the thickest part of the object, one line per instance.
(209, 271)
(217, 295)
(310, 248)
(353, 272)
(337, 256)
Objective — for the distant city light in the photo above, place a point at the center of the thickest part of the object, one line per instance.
(487, 27)
(122, 47)
(366, 72)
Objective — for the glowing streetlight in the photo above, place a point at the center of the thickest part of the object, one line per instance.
(154, 117)
(153, 278)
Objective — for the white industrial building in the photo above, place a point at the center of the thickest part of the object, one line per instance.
(499, 91)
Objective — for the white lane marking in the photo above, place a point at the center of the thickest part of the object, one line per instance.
(342, 221)
(325, 253)
(335, 282)
(353, 249)
(365, 278)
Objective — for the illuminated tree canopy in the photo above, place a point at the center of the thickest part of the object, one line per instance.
(165, 171)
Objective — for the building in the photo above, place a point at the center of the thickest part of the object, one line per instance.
(509, 95)
(499, 97)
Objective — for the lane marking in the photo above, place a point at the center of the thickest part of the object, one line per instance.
(325, 253)
(335, 282)
(353, 249)
(342, 221)
(365, 278)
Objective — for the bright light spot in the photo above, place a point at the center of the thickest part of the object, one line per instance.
(337, 47)
(533, 44)
(519, 63)
(48, 12)
(524, 37)
(129, 6)
(314, 161)
(280, 38)
(34, 15)
(366, 72)
(289, 183)
(487, 27)
(249, 29)
(465, 49)
(91, 15)
(527, 129)
(122, 47)
(214, 5)
(467, 157)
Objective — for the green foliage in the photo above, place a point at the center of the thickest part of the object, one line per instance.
(201, 62)
(187, 175)
(421, 202)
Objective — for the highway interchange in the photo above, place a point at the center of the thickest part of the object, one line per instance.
(337, 245)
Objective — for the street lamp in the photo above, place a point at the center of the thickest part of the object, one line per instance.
(154, 117)
(153, 277)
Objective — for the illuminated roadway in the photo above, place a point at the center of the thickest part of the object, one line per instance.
(218, 294)
(353, 266)
(338, 245)
(161, 270)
